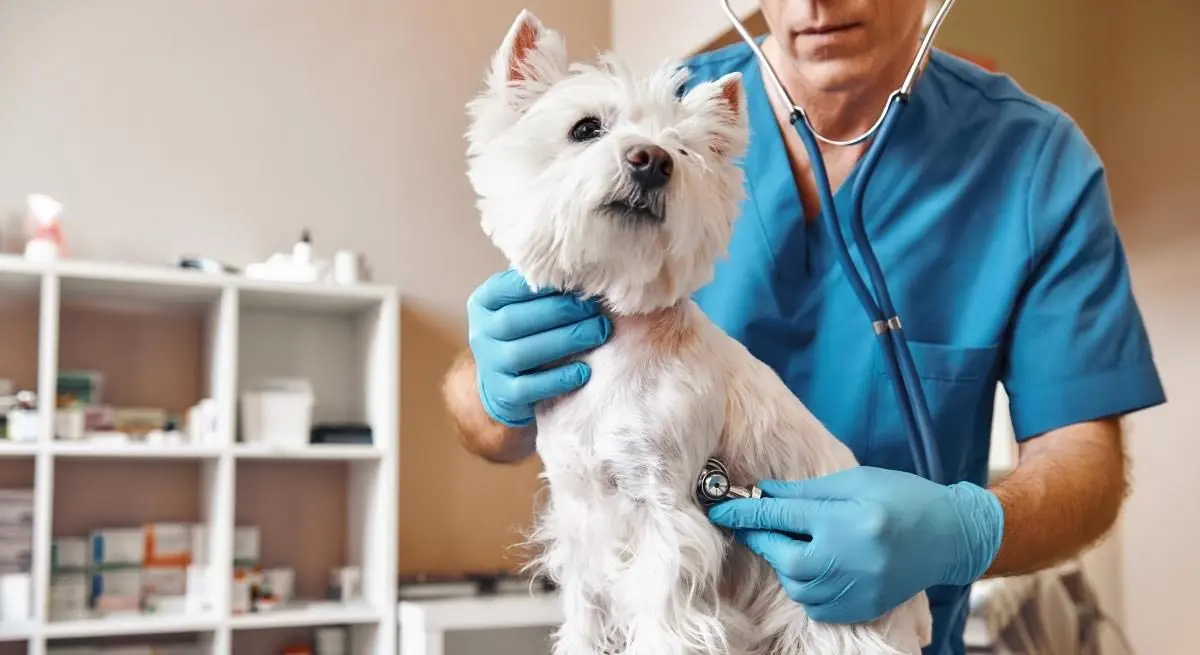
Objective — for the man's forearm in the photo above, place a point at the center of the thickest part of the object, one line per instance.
(480, 434)
(1064, 495)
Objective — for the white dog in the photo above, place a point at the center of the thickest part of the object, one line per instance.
(623, 189)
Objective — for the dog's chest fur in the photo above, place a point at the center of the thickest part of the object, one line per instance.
(653, 410)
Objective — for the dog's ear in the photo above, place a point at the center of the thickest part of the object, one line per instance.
(724, 101)
(530, 59)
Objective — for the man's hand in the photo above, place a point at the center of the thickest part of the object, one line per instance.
(515, 333)
(877, 538)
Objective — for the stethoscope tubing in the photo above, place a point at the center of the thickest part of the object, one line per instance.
(897, 356)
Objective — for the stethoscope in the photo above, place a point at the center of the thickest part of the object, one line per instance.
(713, 484)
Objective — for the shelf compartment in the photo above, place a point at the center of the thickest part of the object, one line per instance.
(300, 511)
(138, 492)
(154, 343)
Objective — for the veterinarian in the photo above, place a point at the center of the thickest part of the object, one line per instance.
(990, 213)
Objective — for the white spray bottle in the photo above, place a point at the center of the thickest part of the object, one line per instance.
(45, 228)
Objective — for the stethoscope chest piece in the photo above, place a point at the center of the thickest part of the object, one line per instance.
(713, 485)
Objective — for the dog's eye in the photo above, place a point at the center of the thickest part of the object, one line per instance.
(587, 129)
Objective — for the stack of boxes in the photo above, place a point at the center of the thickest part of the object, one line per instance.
(16, 554)
(155, 568)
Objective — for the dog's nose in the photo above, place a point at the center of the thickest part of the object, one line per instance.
(649, 166)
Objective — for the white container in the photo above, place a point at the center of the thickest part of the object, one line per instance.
(278, 413)
(15, 589)
(345, 267)
(282, 583)
(330, 641)
(24, 425)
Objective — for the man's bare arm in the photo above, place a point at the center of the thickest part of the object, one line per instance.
(480, 434)
(1064, 495)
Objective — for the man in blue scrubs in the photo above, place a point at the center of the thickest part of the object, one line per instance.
(990, 215)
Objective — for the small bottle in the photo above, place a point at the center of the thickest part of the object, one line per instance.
(302, 251)
(45, 231)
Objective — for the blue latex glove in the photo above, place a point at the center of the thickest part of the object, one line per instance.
(877, 538)
(515, 333)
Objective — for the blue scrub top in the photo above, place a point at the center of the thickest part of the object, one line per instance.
(990, 216)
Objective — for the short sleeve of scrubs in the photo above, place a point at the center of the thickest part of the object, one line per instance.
(1078, 349)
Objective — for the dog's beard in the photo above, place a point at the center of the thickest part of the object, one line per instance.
(632, 205)
(637, 208)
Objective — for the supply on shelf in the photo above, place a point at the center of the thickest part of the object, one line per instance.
(157, 568)
(19, 419)
(278, 412)
(44, 227)
(82, 415)
(16, 554)
(300, 265)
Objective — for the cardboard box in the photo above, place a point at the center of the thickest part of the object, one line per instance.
(116, 591)
(167, 544)
(120, 547)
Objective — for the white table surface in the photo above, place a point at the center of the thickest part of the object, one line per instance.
(423, 624)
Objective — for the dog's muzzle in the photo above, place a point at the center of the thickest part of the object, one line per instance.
(642, 200)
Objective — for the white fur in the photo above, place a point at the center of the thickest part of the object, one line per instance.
(641, 569)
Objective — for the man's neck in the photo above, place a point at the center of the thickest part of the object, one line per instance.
(838, 114)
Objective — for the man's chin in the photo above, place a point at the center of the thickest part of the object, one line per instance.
(839, 74)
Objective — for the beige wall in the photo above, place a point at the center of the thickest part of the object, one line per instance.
(646, 33)
(222, 126)
(1150, 139)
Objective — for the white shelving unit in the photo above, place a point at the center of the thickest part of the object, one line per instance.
(317, 506)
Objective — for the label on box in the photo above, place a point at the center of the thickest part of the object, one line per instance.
(245, 545)
(119, 547)
(117, 590)
(16, 512)
(67, 553)
(68, 597)
(167, 544)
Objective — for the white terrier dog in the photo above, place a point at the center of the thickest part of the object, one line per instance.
(625, 190)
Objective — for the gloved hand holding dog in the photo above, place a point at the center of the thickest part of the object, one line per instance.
(516, 333)
(878, 537)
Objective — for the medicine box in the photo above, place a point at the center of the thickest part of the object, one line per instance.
(161, 584)
(116, 590)
(69, 596)
(167, 544)
(68, 553)
(16, 531)
(116, 547)
(245, 546)
(16, 507)
(16, 551)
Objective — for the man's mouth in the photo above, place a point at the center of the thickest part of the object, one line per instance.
(829, 29)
